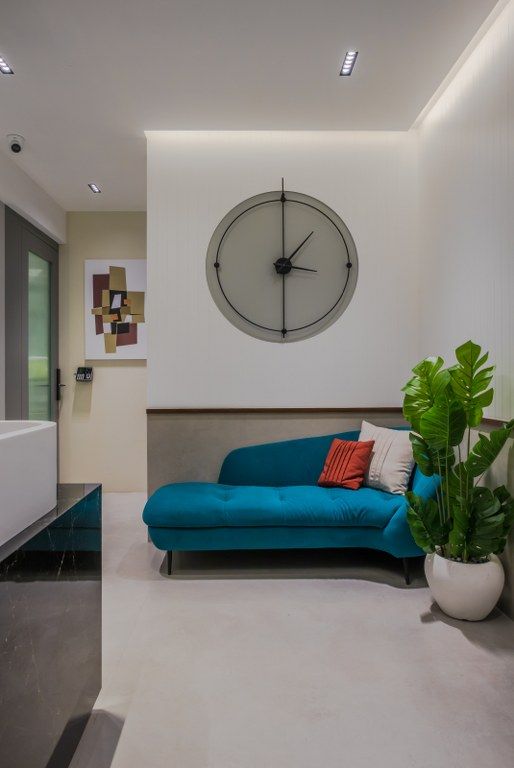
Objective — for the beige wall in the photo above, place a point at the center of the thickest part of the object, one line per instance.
(103, 424)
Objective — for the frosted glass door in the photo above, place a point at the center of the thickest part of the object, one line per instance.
(31, 327)
(39, 338)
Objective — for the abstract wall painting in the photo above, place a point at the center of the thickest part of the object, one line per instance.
(115, 293)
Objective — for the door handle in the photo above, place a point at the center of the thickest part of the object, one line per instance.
(58, 384)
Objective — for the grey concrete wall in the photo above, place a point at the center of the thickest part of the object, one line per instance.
(191, 446)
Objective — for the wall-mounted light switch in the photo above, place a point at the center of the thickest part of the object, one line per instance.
(84, 374)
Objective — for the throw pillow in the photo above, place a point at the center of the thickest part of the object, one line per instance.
(392, 461)
(346, 464)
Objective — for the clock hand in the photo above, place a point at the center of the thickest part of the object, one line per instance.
(283, 204)
(284, 330)
(301, 244)
(283, 265)
(304, 269)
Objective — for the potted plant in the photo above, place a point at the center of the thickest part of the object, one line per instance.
(465, 527)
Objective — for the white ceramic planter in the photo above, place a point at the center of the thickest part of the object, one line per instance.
(465, 590)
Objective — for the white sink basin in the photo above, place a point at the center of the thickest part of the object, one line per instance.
(28, 474)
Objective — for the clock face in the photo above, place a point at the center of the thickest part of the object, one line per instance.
(282, 266)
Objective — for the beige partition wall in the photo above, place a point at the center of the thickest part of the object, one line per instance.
(102, 425)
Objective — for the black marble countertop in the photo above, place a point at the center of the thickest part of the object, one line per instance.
(68, 495)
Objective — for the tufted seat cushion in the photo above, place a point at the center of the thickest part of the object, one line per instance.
(212, 505)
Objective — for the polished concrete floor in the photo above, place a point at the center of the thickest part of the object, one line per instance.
(297, 660)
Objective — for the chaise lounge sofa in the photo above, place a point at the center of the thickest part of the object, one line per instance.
(267, 497)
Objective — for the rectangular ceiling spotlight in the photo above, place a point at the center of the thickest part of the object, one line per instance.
(5, 69)
(348, 63)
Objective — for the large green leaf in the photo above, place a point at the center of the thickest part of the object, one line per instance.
(425, 523)
(487, 448)
(507, 507)
(444, 424)
(457, 489)
(422, 455)
(429, 461)
(470, 381)
(486, 524)
(421, 390)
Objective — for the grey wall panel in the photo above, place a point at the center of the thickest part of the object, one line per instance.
(191, 446)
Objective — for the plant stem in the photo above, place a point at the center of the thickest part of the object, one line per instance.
(440, 497)
(447, 486)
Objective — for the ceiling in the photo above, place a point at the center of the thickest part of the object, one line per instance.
(92, 75)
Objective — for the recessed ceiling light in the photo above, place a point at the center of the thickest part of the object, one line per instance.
(5, 69)
(349, 63)
(94, 188)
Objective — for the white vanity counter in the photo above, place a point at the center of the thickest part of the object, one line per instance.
(28, 474)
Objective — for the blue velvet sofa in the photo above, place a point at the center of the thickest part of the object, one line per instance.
(267, 497)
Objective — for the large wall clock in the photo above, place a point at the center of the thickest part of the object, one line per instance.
(282, 266)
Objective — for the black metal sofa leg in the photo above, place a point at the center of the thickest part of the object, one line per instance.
(406, 569)
(169, 561)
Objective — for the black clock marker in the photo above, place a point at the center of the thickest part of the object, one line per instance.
(283, 203)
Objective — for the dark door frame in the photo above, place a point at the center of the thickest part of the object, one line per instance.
(20, 238)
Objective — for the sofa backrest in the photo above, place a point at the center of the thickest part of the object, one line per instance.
(290, 462)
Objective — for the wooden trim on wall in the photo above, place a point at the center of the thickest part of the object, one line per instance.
(488, 422)
(363, 409)
(494, 422)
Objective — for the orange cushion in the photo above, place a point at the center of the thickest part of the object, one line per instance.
(346, 464)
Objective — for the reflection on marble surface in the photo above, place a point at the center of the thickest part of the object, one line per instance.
(50, 632)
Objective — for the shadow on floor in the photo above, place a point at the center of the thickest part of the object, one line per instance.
(360, 564)
(99, 741)
(495, 633)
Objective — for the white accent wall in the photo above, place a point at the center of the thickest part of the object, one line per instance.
(466, 204)
(466, 226)
(196, 357)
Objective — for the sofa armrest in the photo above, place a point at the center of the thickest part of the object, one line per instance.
(397, 532)
(424, 486)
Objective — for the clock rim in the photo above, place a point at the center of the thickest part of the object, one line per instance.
(351, 258)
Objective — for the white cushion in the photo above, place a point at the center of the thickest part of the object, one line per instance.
(392, 461)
